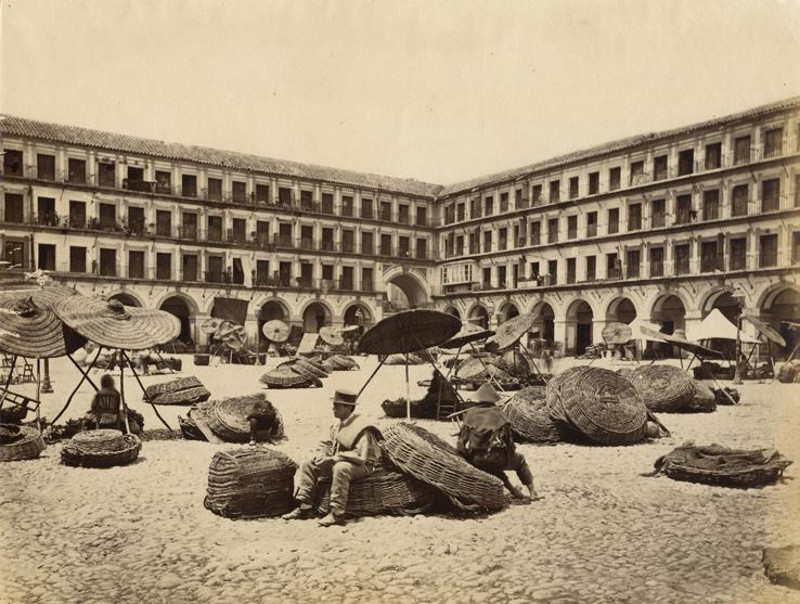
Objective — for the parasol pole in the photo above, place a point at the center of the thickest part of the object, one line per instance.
(8, 381)
(158, 354)
(771, 359)
(455, 362)
(380, 364)
(122, 390)
(38, 394)
(147, 398)
(718, 385)
(533, 362)
(85, 376)
(436, 368)
(408, 392)
(491, 377)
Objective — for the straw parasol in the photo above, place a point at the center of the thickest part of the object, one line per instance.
(210, 326)
(767, 331)
(29, 329)
(409, 331)
(331, 336)
(113, 325)
(275, 330)
(510, 332)
(617, 333)
(470, 332)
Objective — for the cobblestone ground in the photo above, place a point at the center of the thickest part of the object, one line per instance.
(602, 533)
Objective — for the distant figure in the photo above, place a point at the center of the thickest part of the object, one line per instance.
(547, 357)
(106, 404)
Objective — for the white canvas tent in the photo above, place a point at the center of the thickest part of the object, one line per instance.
(717, 326)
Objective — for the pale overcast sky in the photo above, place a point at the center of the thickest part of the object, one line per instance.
(438, 91)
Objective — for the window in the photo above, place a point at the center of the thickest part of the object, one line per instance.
(658, 213)
(262, 232)
(77, 259)
(14, 209)
(475, 207)
(327, 244)
(487, 241)
(461, 211)
(536, 233)
(555, 191)
(686, 162)
(306, 235)
(306, 200)
(367, 208)
(535, 271)
(346, 282)
(660, 167)
(594, 183)
(634, 217)
(709, 256)
(501, 276)
(239, 191)
(613, 267)
(327, 272)
(367, 243)
(135, 264)
(613, 221)
(46, 211)
(108, 216)
(285, 273)
(519, 202)
(571, 270)
(502, 239)
(713, 156)
(656, 261)
(682, 257)
(633, 260)
(327, 203)
(770, 195)
(796, 247)
(285, 235)
(797, 191)
(552, 271)
(12, 163)
(614, 178)
(741, 193)
(422, 248)
(768, 251)
(188, 185)
(591, 224)
(45, 166)
(386, 211)
(637, 173)
(403, 214)
(108, 262)
(488, 206)
(459, 245)
(262, 193)
(189, 267)
(163, 182)
(552, 230)
(76, 170)
(285, 197)
(591, 268)
(683, 209)
(503, 202)
(163, 223)
(239, 230)
(422, 216)
(164, 266)
(711, 204)
(367, 279)
(487, 277)
(404, 247)
(386, 245)
(741, 150)
(347, 205)
(262, 273)
(46, 258)
(106, 173)
(773, 143)
(572, 227)
(737, 254)
(77, 214)
(474, 244)
(574, 185)
(348, 242)
(189, 225)
(536, 195)
(215, 228)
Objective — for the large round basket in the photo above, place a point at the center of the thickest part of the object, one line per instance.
(287, 376)
(663, 387)
(530, 417)
(600, 404)
(29, 445)
(429, 459)
(228, 418)
(386, 491)
(188, 396)
(250, 483)
(101, 449)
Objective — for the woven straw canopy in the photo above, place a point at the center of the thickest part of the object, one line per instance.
(470, 332)
(409, 331)
(29, 329)
(276, 330)
(617, 333)
(113, 325)
(331, 336)
(766, 330)
(510, 332)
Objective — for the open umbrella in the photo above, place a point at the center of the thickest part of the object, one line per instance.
(767, 331)
(30, 330)
(409, 331)
(331, 336)
(275, 330)
(510, 332)
(617, 333)
(210, 326)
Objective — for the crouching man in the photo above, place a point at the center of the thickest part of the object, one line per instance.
(351, 454)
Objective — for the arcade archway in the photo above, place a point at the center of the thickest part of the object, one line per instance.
(781, 309)
(177, 306)
(545, 322)
(452, 310)
(358, 314)
(315, 316)
(580, 319)
(126, 299)
(406, 291)
(669, 312)
(621, 310)
(508, 311)
(479, 316)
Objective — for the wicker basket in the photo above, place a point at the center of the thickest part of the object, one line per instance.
(720, 466)
(189, 396)
(530, 417)
(227, 418)
(386, 491)
(343, 363)
(428, 458)
(289, 376)
(663, 388)
(93, 450)
(181, 383)
(599, 404)
(250, 483)
(29, 446)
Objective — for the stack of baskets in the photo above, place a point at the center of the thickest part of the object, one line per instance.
(663, 387)
(27, 443)
(180, 391)
(529, 416)
(599, 404)
(250, 483)
(429, 459)
(101, 449)
(228, 418)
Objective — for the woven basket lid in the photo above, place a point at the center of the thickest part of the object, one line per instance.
(29, 329)
(283, 376)
(409, 331)
(210, 326)
(331, 336)
(232, 412)
(617, 333)
(662, 387)
(469, 332)
(276, 330)
(510, 332)
(113, 325)
(100, 440)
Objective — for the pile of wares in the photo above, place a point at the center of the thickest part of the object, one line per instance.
(180, 391)
(227, 420)
(101, 449)
(782, 565)
(789, 373)
(19, 442)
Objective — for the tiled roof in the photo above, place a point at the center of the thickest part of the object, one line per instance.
(613, 147)
(123, 143)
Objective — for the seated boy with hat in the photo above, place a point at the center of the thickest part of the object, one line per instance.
(351, 454)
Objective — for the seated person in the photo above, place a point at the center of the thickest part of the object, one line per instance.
(106, 404)
(265, 425)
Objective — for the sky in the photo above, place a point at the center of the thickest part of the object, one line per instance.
(440, 91)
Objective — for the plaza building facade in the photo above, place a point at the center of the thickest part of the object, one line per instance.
(661, 227)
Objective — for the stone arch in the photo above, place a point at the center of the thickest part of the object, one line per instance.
(452, 310)
(412, 285)
(579, 326)
(127, 298)
(508, 310)
(350, 315)
(779, 306)
(315, 315)
(621, 309)
(479, 315)
(724, 302)
(669, 311)
(273, 308)
(546, 320)
(178, 306)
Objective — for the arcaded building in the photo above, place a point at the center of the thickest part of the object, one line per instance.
(663, 227)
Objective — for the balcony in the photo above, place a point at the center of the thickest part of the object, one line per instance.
(143, 186)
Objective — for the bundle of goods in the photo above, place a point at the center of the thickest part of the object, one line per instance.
(530, 417)
(789, 373)
(440, 395)
(598, 404)
(13, 415)
(429, 459)
(593, 352)
(420, 409)
(721, 466)
(709, 369)
(400, 359)
(250, 483)
(703, 401)
(289, 376)
(180, 391)
(782, 565)
(386, 491)
(726, 395)
(473, 373)
(229, 419)
(343, 363)
(663, 388)
(101, 449)
(19, 442)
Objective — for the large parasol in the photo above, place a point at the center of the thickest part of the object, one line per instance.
(115, 326)
(275, 331)
(510, 332)
(29, 329)
(616, 333)
(699, 351)
(331, 336)
(409, 331)
(469, 332)
(767, 331)
(210, 326)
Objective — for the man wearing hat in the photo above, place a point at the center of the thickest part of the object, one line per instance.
(351, 454)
